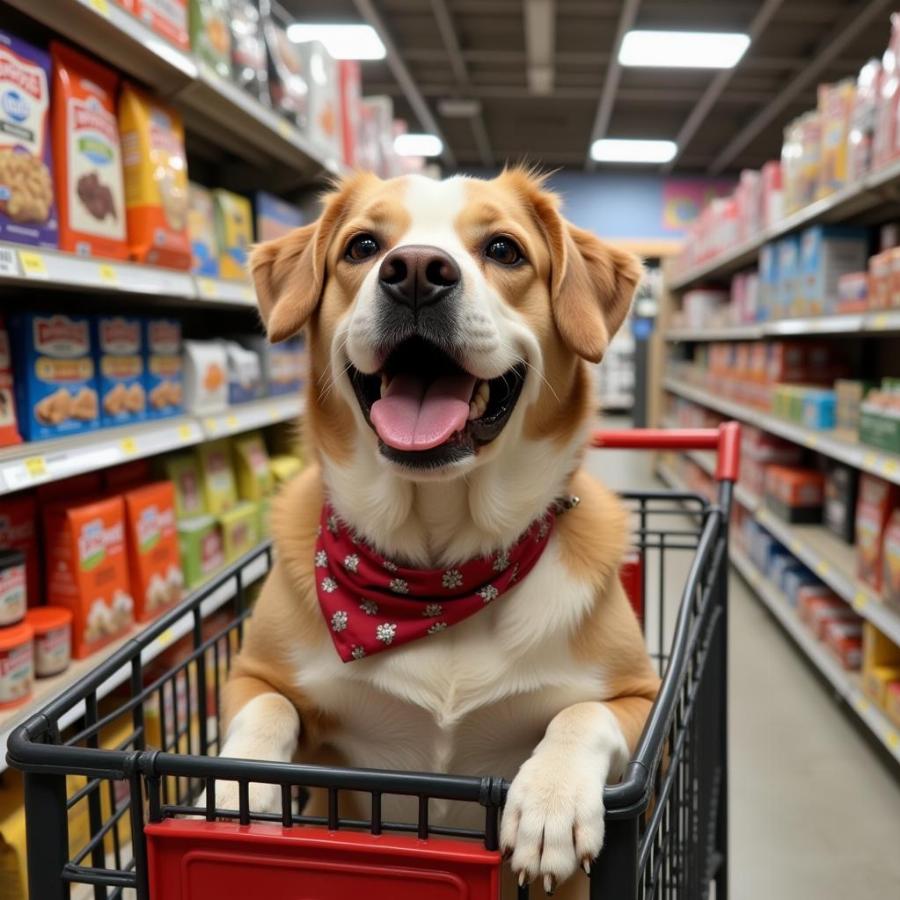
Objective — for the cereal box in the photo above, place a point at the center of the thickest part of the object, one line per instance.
(56, 388)
(275, 217)
(217, 476)
(234, 233)
(156, 185)
(202, 230)
(163, 367)
(119, 355)
(251, 464)
(88, 570)
(27, 208)
(88, 155)
(17, 532)
(9, 429)
(153, 561)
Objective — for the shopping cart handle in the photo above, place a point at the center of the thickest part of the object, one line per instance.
(725, 440)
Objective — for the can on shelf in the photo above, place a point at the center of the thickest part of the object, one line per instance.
(16, 664)
(13, 594)
(52, 626)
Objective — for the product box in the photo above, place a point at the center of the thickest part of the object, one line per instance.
(200, 544)
(163, 368)
(263, 518)
(217, 477)
(790, 295)
(9, 426)
(875, 683)
(769, 301)
(153, 557)
(288, 80)
(18, 513)
(119, 359)
(27, 207)
(275, 217)
(251, 466)
(87, 570)
(350, 81)
(279, 367)
(249, 62)
(879, 421)
(245, 380)
(828, 252)
(819, 409)
(202, 231)
(183, 472)
(841, 483)
(890, 552)
(850, 395)
(815, 602)
(874, 506)
(795, 494)
(323, 121)
(89, 186)
(836, 103)
(168, 18)
(845, 642)
(240, 529)
(205, 377)
(880, 269)
(853, 292)
(56, 388)
(878, 648)
(862, 121)
(156, 184)
(211, 34)
(234, 233)
(284, 467)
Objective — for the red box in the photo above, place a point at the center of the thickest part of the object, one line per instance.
(876, 501)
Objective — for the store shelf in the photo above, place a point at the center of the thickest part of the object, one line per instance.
(854, 200)
(872, 323)
(254, 566)
(844, 683)
(868, 459)
(30, 464)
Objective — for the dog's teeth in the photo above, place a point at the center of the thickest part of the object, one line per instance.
(473, 411)
(483, 393)
(385, 381)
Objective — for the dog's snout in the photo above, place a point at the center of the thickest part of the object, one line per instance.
(417, 275)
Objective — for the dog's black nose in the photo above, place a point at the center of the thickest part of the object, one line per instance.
(417, 275)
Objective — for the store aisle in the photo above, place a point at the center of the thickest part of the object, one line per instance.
(815, 814)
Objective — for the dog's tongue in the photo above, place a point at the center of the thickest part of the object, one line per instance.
(412, 417)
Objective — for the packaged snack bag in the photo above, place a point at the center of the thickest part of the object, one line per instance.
(288, 82)
(205, 377)
(119, 355)
(240, 529)
(323, 122)
(153, 561)
(234, 233)
(156, 184)
(202, 231)
(217, 476)
(89, 186)
(211, 35)
(251, 465)
(9, 429)
(183, 471)
(56, 389)
(88, 570)
(249, 64)
(168, 18)
(875, 503)
(244, 373)
(275, 217)
(200, 544)
(163, 367)
(27, 208)
(18, 513)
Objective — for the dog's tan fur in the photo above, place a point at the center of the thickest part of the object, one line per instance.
(558, 664)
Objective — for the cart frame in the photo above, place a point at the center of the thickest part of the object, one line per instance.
(666, 821)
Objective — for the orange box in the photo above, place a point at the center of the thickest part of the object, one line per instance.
(795, 487)
(875, 502)
(153, 562)
(88, 570)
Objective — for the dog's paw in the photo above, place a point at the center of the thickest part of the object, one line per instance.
(263, 798)
(553, 820)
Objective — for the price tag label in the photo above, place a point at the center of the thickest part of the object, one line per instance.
(889, 466)
(862, 704)
(813, 441)
(8, 264)
(129, 446)
(232, 421)
(33, 264)
(248, 293)
(108, 274)
(860, 600)
(822, 568)
(880, 322)
(211, 425)
(285, 129)
(36, 467)
(272, 413)
(869, 459)
(166, 638)
(185, 432)
(207, 287)
(100, 6)
(892, 739)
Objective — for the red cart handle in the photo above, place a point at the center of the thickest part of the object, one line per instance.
(725, 440)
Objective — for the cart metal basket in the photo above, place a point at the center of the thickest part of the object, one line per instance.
(113, 765)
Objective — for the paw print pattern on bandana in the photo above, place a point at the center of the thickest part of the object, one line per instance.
(385, 632)
(437, 627)
(329, 585)
(321, 559)
(358, 651)
(351, 562)
(369, 607)
(390, 566)
(501, 561)
(452, 579)
(339, 620)
(399, 586)
(433, 609)
(488, 593)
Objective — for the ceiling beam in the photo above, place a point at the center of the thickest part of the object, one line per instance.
(611, 82)
(427, 121)
(714, 90)
(461, 73)
(540, 45)
(846, 30)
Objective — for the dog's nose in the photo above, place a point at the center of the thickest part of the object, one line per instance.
(417, 275)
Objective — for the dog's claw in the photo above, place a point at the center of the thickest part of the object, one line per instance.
(523, 877)
(586, 865)
(549, 885)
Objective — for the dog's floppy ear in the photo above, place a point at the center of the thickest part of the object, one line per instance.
(593, 284)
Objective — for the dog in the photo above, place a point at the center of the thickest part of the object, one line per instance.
(449, 326)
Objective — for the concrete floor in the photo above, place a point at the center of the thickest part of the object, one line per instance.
(814, 810)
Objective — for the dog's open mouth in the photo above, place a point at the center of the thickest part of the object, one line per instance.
(427, 410)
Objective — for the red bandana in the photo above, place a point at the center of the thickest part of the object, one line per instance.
(370, 603)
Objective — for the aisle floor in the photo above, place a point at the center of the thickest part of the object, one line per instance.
(814, 810)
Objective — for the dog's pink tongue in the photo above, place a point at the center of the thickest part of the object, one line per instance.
(411, 417)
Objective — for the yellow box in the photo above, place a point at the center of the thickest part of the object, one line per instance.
(217, 476)
(875, 683)
(240, 529)
(284, 467)
(234, 233)
(251, 465)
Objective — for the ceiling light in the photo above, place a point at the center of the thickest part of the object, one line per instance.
(683, 49)
(418, 145)
(632, 151)
(341, 41)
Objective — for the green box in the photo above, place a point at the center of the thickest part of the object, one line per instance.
(240, 529)
(201, 547)
(879, 430)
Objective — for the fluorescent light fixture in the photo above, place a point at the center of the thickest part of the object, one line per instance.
(683, 49)
(341, 41)
(632, 151)
(418, 145)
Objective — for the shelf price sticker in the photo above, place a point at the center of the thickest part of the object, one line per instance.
(100, 6)
(166, 638)
(36, 466)
(185, 432)
(860, 600)
(129, 446)
(211, 425)
(108, 274)
(862, 704)
(207, 287)
(822, 568)
(889, 466)
(892, 739)
(8, 264)
(880, 322)
(232, 421)
(285, 129)
(33, 264)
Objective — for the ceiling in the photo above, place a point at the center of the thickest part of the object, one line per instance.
(545, 75)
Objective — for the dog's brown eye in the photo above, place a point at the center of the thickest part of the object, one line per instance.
(361, 247)
(503, 250)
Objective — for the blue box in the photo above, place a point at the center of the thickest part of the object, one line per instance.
(826, 253)
(274, 216)
(819, 409)
(789, 294)
(55, 376)
(768, 282)
(163, 368)
(119, 359)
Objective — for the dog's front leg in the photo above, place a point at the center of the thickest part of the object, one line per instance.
(553, 820)
(262, 724)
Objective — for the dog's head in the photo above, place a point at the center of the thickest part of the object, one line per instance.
(448, 320)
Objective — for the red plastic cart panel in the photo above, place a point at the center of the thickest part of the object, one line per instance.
(631, 572)
(199, 860)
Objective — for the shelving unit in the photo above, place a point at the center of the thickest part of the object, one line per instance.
(253, 567)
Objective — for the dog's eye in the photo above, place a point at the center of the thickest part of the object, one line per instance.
(503, 250)
(361, 247)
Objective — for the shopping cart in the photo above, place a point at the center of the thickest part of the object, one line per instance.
(114, 765)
